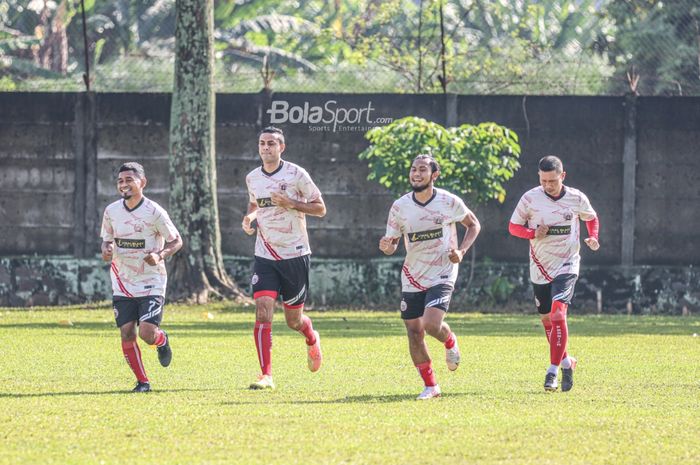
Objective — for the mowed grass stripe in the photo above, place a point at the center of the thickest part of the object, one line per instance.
(64, 392)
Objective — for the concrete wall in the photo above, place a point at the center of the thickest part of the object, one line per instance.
(38, 166)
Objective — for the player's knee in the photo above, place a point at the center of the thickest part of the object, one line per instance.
(415, 334)
(147, 334)
(558, 312)
(293, 321)
(433, 328)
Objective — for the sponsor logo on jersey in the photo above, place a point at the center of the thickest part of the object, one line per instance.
(130, 243)
(559, 230)
(425, 235)
(264, 202)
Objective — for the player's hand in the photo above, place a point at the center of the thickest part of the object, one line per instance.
(246, 225)
(153, 258)
(592, 243)
(456, 255)
(541, 231)
(107, 251)
(388, 245)
(281, 200)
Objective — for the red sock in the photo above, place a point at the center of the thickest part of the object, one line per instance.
(560, 333)
(263, 344)
(450, 342)
(548, 333)
(426, 372)
(307, 329)
(161, 338)
(132, 354)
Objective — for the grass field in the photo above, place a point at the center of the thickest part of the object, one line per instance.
(64, 392)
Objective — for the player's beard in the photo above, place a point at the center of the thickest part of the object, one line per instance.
(419, 188)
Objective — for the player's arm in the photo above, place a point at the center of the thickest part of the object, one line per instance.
(107, 250)
(314, 207)
(471, 223)
(592, 226)
(388, 245)
(168, 250)
(249, 217)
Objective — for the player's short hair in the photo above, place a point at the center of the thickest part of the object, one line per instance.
(133, 166)
(273, 130)
(550, 163)
(434, 166)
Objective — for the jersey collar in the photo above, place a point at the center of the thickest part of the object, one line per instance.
(262, 168)
(137, 205)
(413, 196)
(561, 194)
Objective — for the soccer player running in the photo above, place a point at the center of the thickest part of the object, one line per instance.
(548, 216)
(137, 237)
(281, 194)
(426, 219)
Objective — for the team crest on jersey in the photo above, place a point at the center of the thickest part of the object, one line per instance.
(438, 220)
(568, 216)
(283, 187)
(404, 305)
(255, 279)
(138, 227)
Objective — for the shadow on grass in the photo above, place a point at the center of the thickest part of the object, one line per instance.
(11, 395)
(362, 399)
(390, 324)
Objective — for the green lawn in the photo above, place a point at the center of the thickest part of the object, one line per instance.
(64, 399)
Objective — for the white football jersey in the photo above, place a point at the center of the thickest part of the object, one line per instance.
(135, 233)
(281, 232)
(558, 252)
(429, 232)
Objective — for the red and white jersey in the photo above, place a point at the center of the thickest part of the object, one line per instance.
(135, 233)
(281, 231)
(429, 232)
(558, 252)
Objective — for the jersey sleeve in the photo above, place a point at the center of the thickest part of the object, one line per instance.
(166, 228)
(394, 225)
(586, 212)
(521, 213)
(251, 197)
(107, 232)
(307, 187)
(458, 211)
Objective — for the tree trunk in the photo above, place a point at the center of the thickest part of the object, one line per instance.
(197, 272)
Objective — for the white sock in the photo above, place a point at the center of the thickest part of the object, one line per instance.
(553, 369)
(566, 363)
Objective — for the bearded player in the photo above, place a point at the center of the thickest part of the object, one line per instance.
(426, 218)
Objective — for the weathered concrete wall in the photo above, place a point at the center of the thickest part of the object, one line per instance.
(45, 168)
(375, 283)
(38, 167)
(668, 181)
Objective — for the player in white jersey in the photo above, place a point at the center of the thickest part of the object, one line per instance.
(548, 216)
(281, 194)
(137, 237)
(426, 218)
